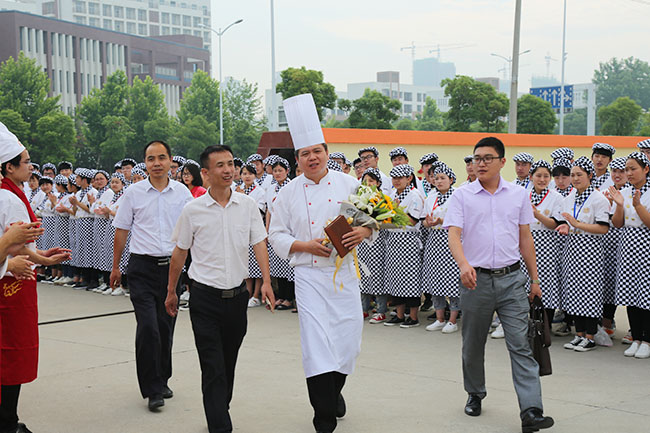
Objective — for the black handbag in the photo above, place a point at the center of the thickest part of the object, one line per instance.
(539, 336)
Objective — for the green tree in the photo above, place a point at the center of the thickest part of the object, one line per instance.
(296, 81)
(431, 119)
(193, 136)
(405, 124)
(201, 98)
(100, 104)
(15, 123)
(243, 121)
(24, 89)
(146, 104)
(55, 138)
(627, 77)
(535, 116)
(644, 125)
(372, 111)
(575, 123)
(118, 134)
(621, 117)
(472, 101)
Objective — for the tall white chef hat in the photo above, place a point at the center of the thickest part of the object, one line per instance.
(303, 121)
(10, 147)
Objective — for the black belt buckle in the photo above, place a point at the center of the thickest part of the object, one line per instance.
(228, 294)
(501, 271)
(163, 261)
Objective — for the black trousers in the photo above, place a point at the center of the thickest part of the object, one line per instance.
(639, 323)
(588, 325)
(219, 326)
(324, 391)
(409, 301)
(154, 334)
(286, 289)
(9, 408)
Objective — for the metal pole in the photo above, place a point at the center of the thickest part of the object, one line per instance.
(220, 93)
(562, 78)
(514, 74)
(274, 105)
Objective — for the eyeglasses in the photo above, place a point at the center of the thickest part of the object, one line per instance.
(367, 157)
(487, 159)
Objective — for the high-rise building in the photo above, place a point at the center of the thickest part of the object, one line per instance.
(135, 17)
(431, 71)
(78, 58)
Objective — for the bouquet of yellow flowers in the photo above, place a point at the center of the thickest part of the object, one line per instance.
(370, 207)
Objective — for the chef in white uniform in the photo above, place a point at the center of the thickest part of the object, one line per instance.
(330, 313)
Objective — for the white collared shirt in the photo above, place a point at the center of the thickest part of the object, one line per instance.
(218, 238)
(151, 215)
(12, 210)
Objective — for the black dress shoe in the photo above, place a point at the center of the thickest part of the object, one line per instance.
(340, 407)
(473, 405)
(155, 402)
(167, 392)
(534, 420)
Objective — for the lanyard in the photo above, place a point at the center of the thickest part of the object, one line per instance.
(574, 208)
(544, 198)
(435, 204)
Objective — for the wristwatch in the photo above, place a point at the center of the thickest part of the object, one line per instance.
(534, 281)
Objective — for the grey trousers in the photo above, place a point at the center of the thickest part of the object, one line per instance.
(506, 295)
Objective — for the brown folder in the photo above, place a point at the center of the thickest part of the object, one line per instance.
(335, 231)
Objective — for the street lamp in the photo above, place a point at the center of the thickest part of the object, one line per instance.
(508, 59)
(220, 33)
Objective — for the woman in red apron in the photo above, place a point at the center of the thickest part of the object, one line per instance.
(18, 299)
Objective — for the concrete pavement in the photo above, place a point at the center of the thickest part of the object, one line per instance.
(406, 379)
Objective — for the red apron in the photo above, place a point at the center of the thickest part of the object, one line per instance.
(18, 331)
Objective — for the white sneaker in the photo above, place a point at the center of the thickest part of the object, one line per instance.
(631, 351)
(118, 292)
(56, 280)
(254, 302)
(185, 296)
(573, 343)
(450, 328)
(107, 291)
(435, 326)
(65, 280)
(495, 322)
(102, 287)
(498, 333)
(643, 352)
(127, 293)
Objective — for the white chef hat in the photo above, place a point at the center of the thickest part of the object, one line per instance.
(10, 147)
(303, 121)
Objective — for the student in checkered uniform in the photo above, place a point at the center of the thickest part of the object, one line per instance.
(372, 260)
(251, 188)
(426, 162)
(632, 212)
(399, 156)
(561, 173)
(611, 242)
(82, 252)
(440, 273)
(101, 200)
(280, 269)
(469, 169)
(61, 230)
(644, 147)
(404, 250)
(523, 161)
(546, 204)
(585, 213)
(601, 156)
(66, 206)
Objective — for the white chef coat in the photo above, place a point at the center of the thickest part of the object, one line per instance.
(12, 210)
(330, 318)
(386, 184)
(593, 210)
(632, 218)
(550, 207)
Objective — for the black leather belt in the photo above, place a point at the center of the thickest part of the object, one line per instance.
(225, 294)
(500, 271)
(160, 261)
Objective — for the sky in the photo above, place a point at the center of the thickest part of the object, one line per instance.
(350, 41)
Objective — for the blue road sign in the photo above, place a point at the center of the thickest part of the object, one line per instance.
(552, 95)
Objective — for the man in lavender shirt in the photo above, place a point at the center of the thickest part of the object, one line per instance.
(493, 218)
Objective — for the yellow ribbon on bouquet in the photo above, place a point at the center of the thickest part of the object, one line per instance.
(339, 263)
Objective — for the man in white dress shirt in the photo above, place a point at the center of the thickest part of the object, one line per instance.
(330, 312)
(218, 227)
(149, 210)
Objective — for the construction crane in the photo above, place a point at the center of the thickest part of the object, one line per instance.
(447, 47)
(547, 59)
(436, 48)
